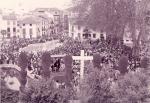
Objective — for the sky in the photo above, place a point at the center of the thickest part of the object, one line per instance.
(32, 4)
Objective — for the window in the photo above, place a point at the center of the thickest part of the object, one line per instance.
(24, 31)
(43, 29)
(14, 22)
(72, 28)
(30, 31)
(8, 29)
(8, 22)
(89, 35)
(18, 25)
(86, 35)
(30, 24)
(44, 33)
(102, 36)
(14, 29)
(94, 35)
(30, 36)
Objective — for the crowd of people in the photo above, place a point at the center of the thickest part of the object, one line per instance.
(110, 53)
(113, 51)
(10, 52)
(10, 48)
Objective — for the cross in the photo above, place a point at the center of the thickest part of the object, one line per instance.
(82, 58)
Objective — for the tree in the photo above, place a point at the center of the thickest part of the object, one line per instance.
(145, 62)
(131, 88)
(95, 87)
(113, 16)
(23, 60)
(108, 15)
(123, 64)
(97, 60)
(68, 69)
(41, 91)
(138, 23)
(46, 63)
(23, 63)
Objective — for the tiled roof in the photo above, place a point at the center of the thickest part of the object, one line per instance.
(47, 9)
(29, 20)
(41, 9)
(72, 9)
(43, 16)
(10, 17)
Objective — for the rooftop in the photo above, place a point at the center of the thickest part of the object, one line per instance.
(10, 17)
(29, 20)
(46, 9)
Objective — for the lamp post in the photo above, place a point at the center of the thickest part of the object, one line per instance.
(3, 32)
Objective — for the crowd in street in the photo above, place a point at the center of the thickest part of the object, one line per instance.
(109, 52)
(10, 52)
(10, 48)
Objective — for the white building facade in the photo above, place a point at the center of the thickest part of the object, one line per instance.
(81, 32)
(8, 26)
(29, 28)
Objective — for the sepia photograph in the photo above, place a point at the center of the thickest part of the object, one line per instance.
(74, 51)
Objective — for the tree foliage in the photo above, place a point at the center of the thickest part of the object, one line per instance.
(97, 60)
(96, 86)
(100, 87)
(68, 68)
(23, 63)
(131, 88)
(23, 60)
(45, 92)
(113, 16)
(23, 77)
(123, 64)
(46, 63)
(145, 62)
(105, 14)
(46, 59)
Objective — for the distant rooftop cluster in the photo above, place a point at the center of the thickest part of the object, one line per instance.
(49, 21)
(10, 17)
(36, 23)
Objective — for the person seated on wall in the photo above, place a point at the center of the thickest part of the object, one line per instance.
(56, 66)
(52, 68)
(62, 66)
